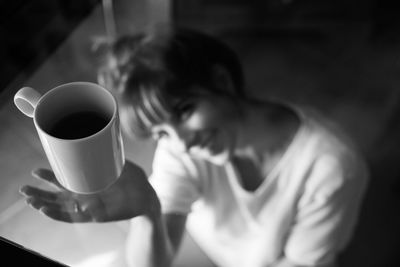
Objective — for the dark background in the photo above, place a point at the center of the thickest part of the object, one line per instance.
(31, 30)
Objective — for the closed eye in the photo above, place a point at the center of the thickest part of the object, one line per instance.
(184, 109)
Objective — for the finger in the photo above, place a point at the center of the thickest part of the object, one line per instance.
(48, 176)
(65, 213)
(39, 198)
(30, 191)
(66, 206)
(38, 204)
(64, 216)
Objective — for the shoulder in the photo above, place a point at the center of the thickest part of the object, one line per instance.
(326, 139)
(333, 159)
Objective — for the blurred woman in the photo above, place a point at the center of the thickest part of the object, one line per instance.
(256, 183)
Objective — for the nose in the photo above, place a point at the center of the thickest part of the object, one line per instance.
(180, 138)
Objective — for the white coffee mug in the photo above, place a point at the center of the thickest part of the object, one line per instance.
(86, 153)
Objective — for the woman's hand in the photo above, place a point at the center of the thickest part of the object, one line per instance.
(130, 196)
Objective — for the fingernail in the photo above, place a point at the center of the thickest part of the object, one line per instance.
(22, 190)
(29, 203)
(35, 172)
(41, 210)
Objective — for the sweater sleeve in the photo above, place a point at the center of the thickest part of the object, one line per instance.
(327, 211)
(174, 178)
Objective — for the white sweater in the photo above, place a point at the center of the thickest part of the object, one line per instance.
(305, 209)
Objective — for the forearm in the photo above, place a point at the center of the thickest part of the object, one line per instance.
(284, 262)
(148, 243)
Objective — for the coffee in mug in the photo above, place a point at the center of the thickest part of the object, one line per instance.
(78, 125)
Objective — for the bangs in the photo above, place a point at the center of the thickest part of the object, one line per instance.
(144, 109)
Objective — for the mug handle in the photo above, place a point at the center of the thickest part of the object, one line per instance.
(26, 100)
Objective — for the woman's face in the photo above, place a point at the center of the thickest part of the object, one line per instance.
(205, 128)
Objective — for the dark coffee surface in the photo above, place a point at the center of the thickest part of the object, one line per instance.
(78, 125)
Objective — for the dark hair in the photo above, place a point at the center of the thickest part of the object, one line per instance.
(151, 72)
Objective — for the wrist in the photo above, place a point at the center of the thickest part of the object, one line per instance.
(153, 212)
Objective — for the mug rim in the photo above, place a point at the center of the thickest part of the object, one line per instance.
(59, 87)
